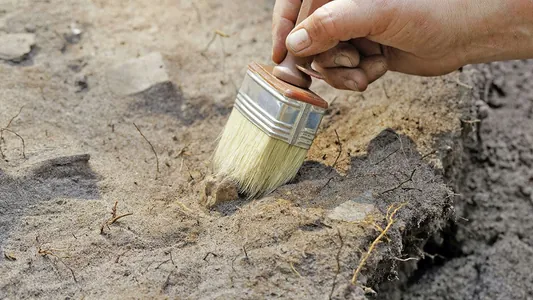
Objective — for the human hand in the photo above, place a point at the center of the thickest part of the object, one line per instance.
(357, 41)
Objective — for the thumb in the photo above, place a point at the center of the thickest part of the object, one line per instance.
(336, 21)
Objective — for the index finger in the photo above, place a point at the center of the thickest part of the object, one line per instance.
(283, 21)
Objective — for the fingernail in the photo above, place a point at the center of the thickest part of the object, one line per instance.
(298, 40)
(343, 61)
(352, 85)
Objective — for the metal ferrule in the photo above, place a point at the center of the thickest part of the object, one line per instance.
(283, 118)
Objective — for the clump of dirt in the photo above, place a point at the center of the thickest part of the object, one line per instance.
(487, 251)
(216, 190)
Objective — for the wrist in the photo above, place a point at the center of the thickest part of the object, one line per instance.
(498, 30)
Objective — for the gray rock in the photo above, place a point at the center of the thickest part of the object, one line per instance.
(31, 28)
(137, 75)
(483, 109)
(15, 46)
(354, 210)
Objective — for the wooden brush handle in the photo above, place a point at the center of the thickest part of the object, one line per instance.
(288, 69)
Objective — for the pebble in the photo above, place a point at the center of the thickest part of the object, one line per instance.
(14, 46)
(483, 109)
(31, 28)
(137, 75)
(354, 210)
(74, 35)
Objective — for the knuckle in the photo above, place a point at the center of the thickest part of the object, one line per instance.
(324, 23)
(336, 84)
(294, 3)
(390, 57)
(325, 57)
(287, 8)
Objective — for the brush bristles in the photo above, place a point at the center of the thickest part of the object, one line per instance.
(256, 162)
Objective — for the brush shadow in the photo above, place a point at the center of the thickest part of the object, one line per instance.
(313, 170)
(60, 177)
(168, 99)
(389, 159)
(231, 207)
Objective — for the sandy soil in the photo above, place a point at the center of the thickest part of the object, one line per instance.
(82, 116)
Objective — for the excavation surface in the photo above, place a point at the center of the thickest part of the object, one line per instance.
(110, 111)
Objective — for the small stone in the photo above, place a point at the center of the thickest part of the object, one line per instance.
(218, 190)
(354, 210)
(137, 75)
(495, 99)
(526, 190)
(74, 35)
(80, 81)
(31, 28)
(15, 46)
(482, 109)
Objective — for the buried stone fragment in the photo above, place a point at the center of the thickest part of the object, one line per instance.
(137, 75)
(354, 210)
(15, 46)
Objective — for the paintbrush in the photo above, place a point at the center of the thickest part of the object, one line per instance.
(273, 123)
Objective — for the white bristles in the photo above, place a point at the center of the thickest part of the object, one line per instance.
(256, 162)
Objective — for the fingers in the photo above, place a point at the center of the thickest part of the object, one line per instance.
(358, 78)
(283, 20)
(374, 66)
(353, 79)
(408, 63)
(343, 55)
(336, 21)
(366, 47)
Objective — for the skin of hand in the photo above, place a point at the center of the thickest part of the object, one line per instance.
(357, 41)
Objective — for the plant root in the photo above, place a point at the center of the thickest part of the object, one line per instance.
(391, 212)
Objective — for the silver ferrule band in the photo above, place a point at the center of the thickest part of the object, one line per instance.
(286, 119)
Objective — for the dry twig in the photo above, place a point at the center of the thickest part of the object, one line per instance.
(117, 260)
(51, 252)
(9, 256)
(151, 146)
(405, 259)
(410, 179)
(463, 84)
(215, 35)
(387, 156)
(337, 259)
(209, 253)
(6, 129)
(184, 207)
(385, 89)
(338, 154)
(294, 270)
(113, 218)
(429, 154)
(334, 163)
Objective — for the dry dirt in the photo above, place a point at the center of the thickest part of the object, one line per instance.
(88, 134)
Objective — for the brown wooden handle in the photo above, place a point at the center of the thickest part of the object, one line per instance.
(287, 70)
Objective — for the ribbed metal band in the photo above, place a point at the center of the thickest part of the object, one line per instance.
(292, 121)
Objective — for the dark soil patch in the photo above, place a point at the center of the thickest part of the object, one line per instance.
(487, 251)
